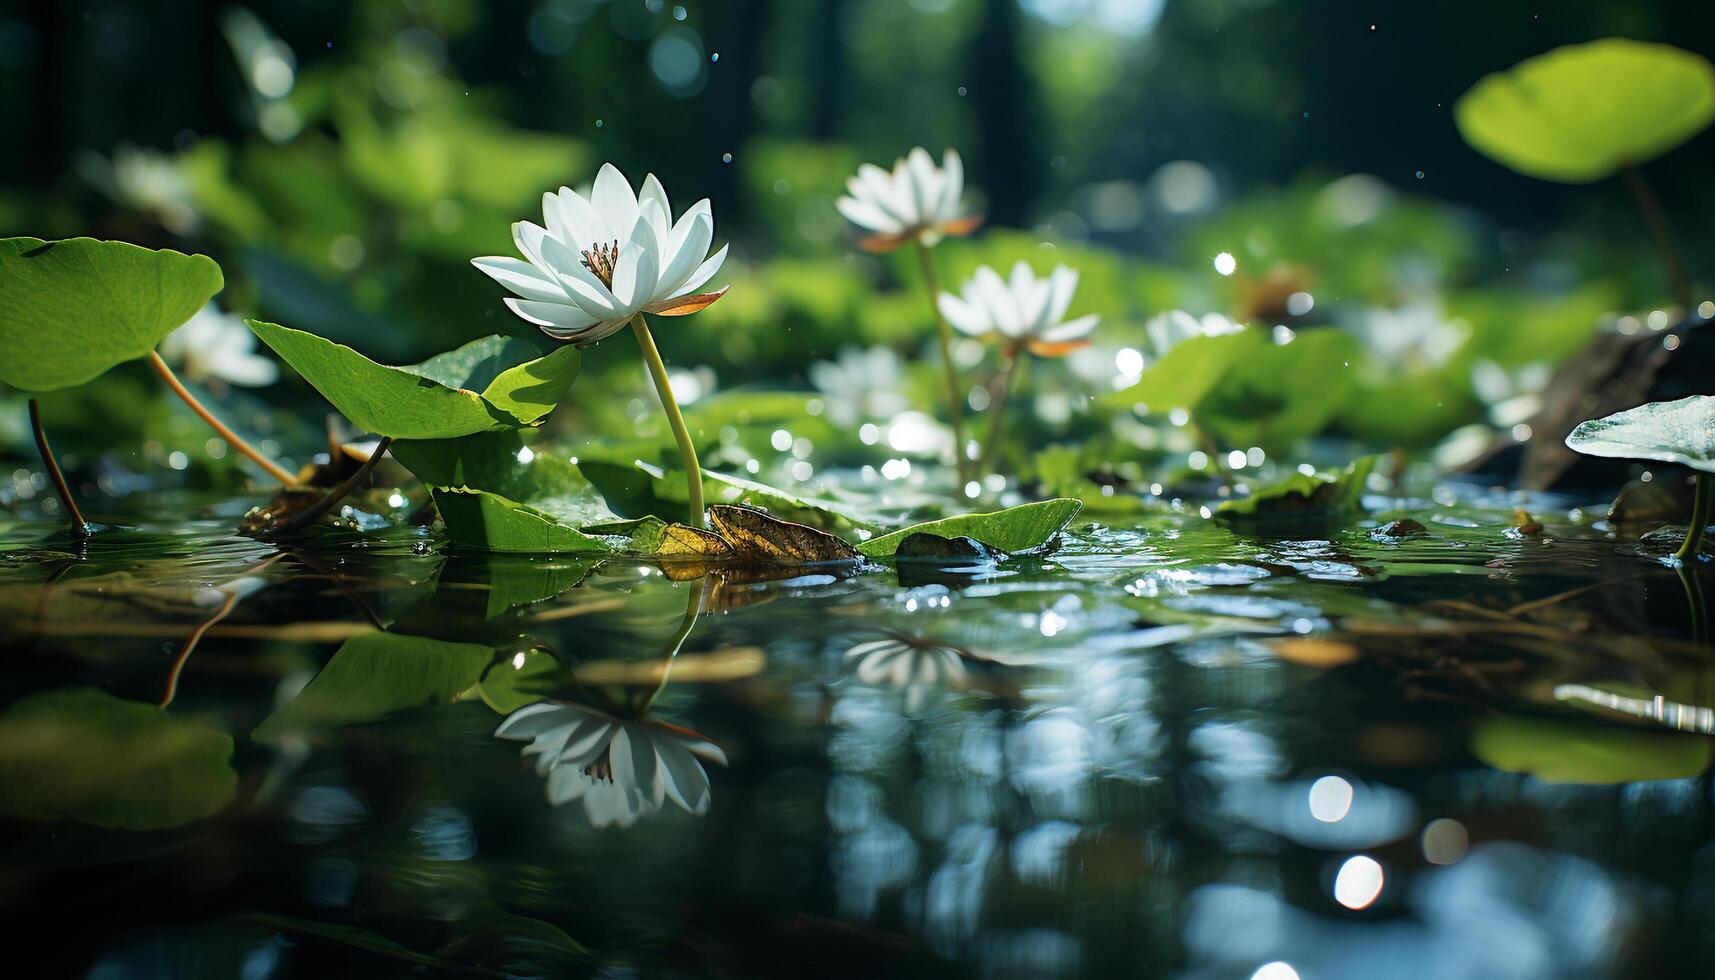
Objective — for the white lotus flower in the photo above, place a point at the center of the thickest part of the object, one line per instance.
(860, 385)
(916, 201)
(216, 345)
(915, 666)
(621, 769)
(1417, 336)
(602, 260)
(1168, 330)
(1512, 396)
(1024, 310)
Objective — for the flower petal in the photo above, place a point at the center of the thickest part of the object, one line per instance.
(614, 200)
(587, 227)
(654, 193)
(524, 279)
(705, 271)
(563, 316)
(638, 269)
(926, 190)
(686, 249)
(964, 317)
(683, 777)
(1002, 310)
(881, 190)
(953, 185)
(1063, 282)
(686, 305)
(1070, 330)
(531, 720)
(866, 215)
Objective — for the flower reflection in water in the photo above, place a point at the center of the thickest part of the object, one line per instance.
(621, 763)
(621, 769)
(915, 665)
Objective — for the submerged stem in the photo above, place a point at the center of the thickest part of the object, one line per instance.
(1702, 503)
(693, 607)
(955, 403)
(1643, 195)
(313, 513)
(274, 469)
(675, 421)
(79, 526)
(1010, 370)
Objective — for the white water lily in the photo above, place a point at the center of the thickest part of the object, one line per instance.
(913, 665)
(1417, 336)
(1512, 396)
(213, 345)
(604, 259)
(1024, 310)
(915, 201)
(622, 769)
(1168, 330)
(860, 385)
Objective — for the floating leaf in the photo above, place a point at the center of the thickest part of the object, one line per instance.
(1303, 497)
(1022, 528)
(76, 308)
(642, 490)
(376, 674)
(1558, 751)
(506, 582)
(756, 537)
(437, 398)
(1680, 432)
(478, 519)
(1581, 112)
(1188, 372)
(681, 541)
(925, 547)
(83, 754)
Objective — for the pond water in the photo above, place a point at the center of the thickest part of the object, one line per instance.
(1163, 749)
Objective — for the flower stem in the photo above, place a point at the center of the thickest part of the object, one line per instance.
(313, 513)
(1011, 369)
(1702, 502)
(1643, 195)
(675, 421)
(274, 469)
(79, 526)
(955, 403)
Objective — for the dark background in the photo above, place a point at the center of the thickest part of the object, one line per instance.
(1056, 94)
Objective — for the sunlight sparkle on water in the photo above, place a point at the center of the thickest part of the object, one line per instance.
(1225, 264)
(1359, 882)
(1330, 799)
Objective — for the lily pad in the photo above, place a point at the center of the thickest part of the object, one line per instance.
(1304, 497)
(83, 754)
(1558, 751)
(478, 519)
(76, 308)
(1188, 372)
(1680, 432)
(376, 674)
(1582, 112)
(436, 399)
(1022, 528)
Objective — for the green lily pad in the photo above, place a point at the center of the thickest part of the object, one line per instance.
(478, 519)
(1189, 371)
(438, 398)
(642, 490)
(1582, 112)
(1022, 528)
(1680, 432)
(1280, 393)
(1559, 751)
(373, 675)
(83, 754)
(76, 308)
(1304, 497)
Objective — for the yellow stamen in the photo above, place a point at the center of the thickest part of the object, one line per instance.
(601, 261)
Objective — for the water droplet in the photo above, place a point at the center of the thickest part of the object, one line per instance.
(1420, 175)
(726, 157)
(714, 56)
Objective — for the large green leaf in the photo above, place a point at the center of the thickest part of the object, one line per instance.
(1581, 112)
(498, 462)
(1680, 432)
(642, 490)
(435, 399)
(1302, 497)
(1189, 371)
(1280, 393)
(1020, 528)
(77, 307)
(1564, 751)
(82, 754)
(376, 674)
(486, 521)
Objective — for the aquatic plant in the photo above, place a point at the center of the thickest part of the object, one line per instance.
(1681, 432)
(604, 262)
